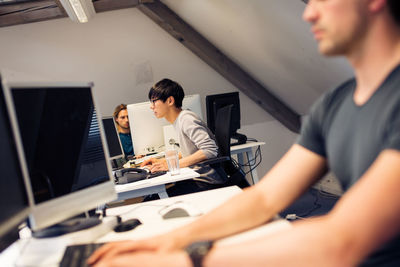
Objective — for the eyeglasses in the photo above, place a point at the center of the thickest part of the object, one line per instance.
(152, 101)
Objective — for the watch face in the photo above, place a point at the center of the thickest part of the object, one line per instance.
(201, 247)
(202, 250)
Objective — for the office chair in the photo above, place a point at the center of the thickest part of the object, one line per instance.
(223, 137)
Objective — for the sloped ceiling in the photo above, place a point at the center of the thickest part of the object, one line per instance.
(265, 38)
(268, 39)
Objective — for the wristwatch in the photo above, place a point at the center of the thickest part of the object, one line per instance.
(198, 250)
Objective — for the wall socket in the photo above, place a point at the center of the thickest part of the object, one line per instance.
(330, 184)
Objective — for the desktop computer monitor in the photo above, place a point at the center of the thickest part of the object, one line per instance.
(114, 144)
(65, 151)
(15, 199)
(215, 102)
(148, 131)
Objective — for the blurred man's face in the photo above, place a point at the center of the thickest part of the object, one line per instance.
(338, 25)
(122, 119)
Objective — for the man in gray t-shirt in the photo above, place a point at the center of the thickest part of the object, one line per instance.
(197, 143)
(351, 137)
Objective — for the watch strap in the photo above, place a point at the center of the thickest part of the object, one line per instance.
(198, 250)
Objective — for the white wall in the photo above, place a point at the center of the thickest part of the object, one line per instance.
(124, 53)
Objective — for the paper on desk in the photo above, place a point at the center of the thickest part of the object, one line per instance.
(42, 252)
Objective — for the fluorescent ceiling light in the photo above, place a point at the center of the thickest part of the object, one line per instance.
(79, 10)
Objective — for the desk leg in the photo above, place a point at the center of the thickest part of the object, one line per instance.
(240, 158)
(163, 193)
(254, 175)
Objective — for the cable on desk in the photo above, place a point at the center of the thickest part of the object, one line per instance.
(254, 165)
(251, 164)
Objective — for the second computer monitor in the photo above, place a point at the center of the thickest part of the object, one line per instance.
(215, 102)
(114, 143)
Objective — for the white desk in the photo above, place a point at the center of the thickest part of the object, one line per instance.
(152, 222)
(247, 149)
(154, 185)
(48, 252)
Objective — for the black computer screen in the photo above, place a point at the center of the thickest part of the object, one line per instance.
(215, 102)
(61, 139)
(114, 145)
(13, 196)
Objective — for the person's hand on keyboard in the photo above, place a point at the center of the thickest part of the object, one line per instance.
(140, 253)
(155, 165)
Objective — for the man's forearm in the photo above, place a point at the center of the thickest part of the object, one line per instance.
(192, 159)
(311, 243)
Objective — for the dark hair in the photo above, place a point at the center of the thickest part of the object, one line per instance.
(118, 109)
(394, 8)
(166, 88)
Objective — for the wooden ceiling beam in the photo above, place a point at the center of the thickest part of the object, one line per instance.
(199, 45)
(108, 5)
(27, 12)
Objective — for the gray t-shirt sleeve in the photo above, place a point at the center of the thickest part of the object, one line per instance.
(197, 133)
(392, 133)
(311, 135)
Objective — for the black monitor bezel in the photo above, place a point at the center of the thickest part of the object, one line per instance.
(9, 228)
(217, 101)
(117, 156)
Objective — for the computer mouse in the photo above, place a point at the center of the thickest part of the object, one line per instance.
(175, 213)
(127, 225)
(180, 209)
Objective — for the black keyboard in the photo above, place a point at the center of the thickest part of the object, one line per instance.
(155, 174)
(125, 176)
(77, 255)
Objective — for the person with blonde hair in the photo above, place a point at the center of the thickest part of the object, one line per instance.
(122, 121)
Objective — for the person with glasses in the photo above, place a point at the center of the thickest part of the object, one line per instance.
(196, 141)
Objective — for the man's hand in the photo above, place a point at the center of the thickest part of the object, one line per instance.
(148, 162)
(159, 244)
(155, 165)
(147, 259)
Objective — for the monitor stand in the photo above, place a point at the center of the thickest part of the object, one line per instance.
(66, 227)
(241, 139)
(114, 164)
